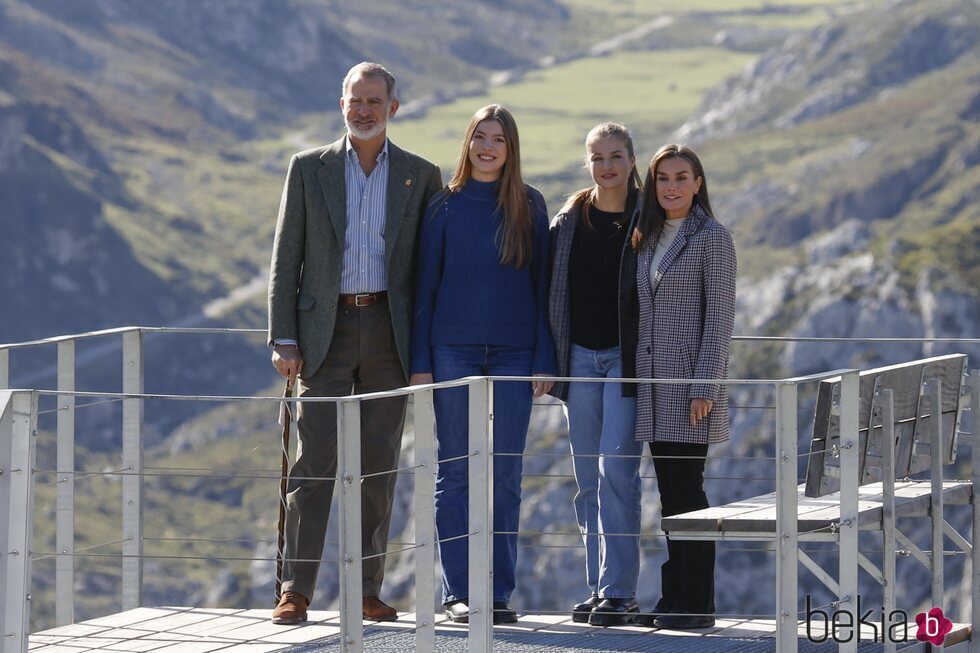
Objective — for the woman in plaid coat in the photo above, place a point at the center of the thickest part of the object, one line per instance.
(685, 278)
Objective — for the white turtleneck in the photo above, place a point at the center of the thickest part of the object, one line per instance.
(667, 236)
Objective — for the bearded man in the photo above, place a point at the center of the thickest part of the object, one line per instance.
(340, 311)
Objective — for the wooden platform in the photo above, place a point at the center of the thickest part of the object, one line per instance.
(755, 518)
(201, 630)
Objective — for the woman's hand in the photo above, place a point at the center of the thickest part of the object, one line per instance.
(420, 379)
(700, 409)
(540, 388)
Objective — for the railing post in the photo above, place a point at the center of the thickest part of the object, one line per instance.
(65, 510)
(935, 394)
(425, 525)
(18, 418)
(786, 518)
(4, 369)
(481, 516)
(132, 480)
(351, 560)
(6, 451)
(6, 444)
(975, 483)
(849, 482)
(889, 545)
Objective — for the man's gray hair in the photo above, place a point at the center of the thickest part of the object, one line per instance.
(370, 69)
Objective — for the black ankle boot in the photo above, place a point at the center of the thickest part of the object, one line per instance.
(580, 611)
(502, 614)
(614, 612)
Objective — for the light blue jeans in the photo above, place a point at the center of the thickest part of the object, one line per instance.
(606, 460)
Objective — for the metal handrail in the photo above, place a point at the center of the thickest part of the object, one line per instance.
(480, 389)
(120, 330)
(205, 330)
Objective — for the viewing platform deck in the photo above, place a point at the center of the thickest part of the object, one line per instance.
(202, 630)
(885, 444)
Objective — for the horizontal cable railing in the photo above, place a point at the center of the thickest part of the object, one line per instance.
(140, 471)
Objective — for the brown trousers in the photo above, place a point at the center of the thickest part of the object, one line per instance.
(362, 358)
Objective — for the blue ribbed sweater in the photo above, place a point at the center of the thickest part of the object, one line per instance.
(464, 296)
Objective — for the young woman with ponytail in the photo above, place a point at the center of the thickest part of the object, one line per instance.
(593, 311)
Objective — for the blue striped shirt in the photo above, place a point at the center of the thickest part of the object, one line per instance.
(364, 245)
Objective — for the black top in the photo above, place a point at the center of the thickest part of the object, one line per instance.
(593, 280)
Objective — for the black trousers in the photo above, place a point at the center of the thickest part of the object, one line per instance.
(687, 579)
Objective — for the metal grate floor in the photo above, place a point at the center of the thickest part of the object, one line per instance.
(606, 640)
(203, 630)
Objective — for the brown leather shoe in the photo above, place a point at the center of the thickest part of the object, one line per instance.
(377, 610)
(291, 609)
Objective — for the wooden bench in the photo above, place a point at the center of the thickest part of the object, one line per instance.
(817, 517)
(818, 498)
(890, 431)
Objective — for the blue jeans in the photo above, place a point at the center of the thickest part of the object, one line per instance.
(512, 411)
(606, 460)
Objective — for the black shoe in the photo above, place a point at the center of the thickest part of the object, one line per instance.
(684, 621)
(458, 612)
(502, 614)
(648, 619)
(614, 612)
(580, 611)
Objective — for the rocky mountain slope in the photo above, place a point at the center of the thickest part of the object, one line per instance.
(872, 226)
(142, 152)
(141, 117)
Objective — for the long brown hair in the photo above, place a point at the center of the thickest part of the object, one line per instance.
(652, 215)
(516, 233)
(586, 198)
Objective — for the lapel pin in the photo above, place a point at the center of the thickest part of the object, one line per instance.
(408, 182)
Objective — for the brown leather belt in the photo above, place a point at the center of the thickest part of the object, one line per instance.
(364, 298)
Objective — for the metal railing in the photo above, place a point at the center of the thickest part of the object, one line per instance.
(18, 431)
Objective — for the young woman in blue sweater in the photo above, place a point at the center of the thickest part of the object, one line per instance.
(481, 301)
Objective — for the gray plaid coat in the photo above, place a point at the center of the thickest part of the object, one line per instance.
(686, 322)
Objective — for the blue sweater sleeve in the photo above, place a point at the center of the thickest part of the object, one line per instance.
(544, 346)
(427, 280)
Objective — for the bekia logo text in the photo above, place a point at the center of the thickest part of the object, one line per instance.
(843, 626)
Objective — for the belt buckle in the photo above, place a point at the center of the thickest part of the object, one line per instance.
(366, 296)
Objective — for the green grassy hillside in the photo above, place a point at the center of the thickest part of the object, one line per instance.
(195, 117)
(652, 92)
